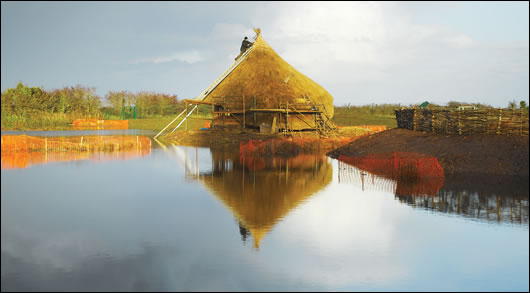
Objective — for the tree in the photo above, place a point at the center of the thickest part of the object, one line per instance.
(512, 105)
(523, 105)
(116, 100)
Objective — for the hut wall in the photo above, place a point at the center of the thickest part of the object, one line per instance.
(464, 122)
(296, 121)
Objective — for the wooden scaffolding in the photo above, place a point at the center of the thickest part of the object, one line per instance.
(232, 110)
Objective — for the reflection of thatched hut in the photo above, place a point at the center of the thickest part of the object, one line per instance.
(259, 199)
(274, 93)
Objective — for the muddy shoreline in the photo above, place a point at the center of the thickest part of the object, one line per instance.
(309, 142)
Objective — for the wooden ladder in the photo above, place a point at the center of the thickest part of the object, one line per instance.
(209, 89)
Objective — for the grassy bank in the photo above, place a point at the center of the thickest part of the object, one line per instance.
(344, 116)
(42, 121)
(158, 123)
(365, 115)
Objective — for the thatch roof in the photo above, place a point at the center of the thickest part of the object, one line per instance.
(263, 74)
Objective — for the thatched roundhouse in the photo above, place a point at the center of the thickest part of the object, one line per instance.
(272, 93)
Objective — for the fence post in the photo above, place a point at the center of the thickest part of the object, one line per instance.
(459, 122)
(499, 125)
(521, 120)
(432, 121)
(413, 119)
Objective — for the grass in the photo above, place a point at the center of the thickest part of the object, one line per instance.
(40, 121)
(344, 116)
(158, 124)
(349, 116)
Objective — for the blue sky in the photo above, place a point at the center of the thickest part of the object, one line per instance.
(361, 52)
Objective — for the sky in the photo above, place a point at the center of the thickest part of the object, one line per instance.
(360, 52)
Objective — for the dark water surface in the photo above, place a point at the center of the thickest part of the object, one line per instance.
(184, 218)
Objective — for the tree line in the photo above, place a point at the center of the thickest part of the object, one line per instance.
(28, 101)
(148, 104)
(83, 102)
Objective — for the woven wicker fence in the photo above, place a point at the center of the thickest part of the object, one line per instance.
(464, 122)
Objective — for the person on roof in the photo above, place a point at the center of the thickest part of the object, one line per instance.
(245, 45)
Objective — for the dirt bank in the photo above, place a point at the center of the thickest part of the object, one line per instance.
(478, 154)
(311, 142)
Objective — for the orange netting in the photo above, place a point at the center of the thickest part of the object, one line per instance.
(373, 128)
(16, 160)
(414, 173)
(21, 151)
(24, 143)
(101, 124)
(397, 165)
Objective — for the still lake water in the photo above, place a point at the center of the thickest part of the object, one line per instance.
(185, 218)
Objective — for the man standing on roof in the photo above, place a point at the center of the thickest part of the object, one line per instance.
(245, 45)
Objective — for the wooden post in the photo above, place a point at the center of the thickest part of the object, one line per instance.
(521, 120)
(446, 121)
(499, 125)
(287, 115)
(413, 119)
(432, 121)
(458, 122)
(185, 117)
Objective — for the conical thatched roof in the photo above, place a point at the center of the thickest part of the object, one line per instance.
(263, 74)
(260, 199)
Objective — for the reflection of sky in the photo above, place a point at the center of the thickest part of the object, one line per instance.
(138, 225)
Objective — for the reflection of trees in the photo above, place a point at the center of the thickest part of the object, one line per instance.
(259, 198)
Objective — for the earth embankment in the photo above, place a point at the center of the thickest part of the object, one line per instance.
(477, 154)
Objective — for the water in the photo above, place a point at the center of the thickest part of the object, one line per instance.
(185, 218)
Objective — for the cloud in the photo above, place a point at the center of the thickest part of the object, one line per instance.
(223, 31)
(366, 52)
(189, 57)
